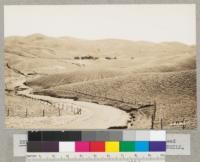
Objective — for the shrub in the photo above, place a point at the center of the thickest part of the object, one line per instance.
(108, 58)
(76, 57)
(89, 58)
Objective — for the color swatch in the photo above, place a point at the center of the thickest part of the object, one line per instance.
(82, 146)
(66, 146)
(97, 141)
(142, 146)
(127, 146)
(112, 146)
(97, 146)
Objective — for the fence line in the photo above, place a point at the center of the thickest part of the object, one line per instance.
(60, 108)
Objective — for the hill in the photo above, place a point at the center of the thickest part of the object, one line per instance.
(39, 53)
(174, 93)
(114, 72)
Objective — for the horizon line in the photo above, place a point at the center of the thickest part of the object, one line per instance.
(100, 39)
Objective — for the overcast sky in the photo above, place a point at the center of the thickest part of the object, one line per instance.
(155, 23)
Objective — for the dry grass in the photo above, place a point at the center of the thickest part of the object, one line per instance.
(174, 93)
(142, 71)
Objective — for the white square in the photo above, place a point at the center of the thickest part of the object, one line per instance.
(157, 135)
(66, 146)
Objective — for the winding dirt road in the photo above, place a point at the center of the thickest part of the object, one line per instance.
(93, 116)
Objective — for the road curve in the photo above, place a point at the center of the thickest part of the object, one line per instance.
(93, 116)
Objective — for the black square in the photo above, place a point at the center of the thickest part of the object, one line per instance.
(34, 136)
(72, 136)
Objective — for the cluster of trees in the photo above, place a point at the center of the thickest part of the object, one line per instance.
(92, 58)
(110, 58)
(85, 58)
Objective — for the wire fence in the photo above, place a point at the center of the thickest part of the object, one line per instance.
(48, 109)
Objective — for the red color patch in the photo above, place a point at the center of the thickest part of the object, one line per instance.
(97, 146)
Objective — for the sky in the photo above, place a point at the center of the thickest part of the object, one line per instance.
(155, 23)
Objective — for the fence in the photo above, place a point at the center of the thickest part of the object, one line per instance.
(53, 109)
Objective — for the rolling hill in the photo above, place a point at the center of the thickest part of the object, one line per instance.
(111, 72)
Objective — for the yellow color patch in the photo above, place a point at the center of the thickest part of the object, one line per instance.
(112, 146)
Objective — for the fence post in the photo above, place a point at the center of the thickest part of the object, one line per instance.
(161, 123)
(59, 112)
(152, 122)
(26, 113)
(43, 113)
(153, 117)
(79, 111)
(8, 112)
(184, 124)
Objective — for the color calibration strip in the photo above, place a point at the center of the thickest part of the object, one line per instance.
(97, 141)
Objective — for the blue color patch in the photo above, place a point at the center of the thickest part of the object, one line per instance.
(141, 146)
(157, 146)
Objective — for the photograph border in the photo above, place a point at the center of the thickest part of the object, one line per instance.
(7, 134)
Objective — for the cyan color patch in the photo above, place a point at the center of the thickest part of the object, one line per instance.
(141, 146)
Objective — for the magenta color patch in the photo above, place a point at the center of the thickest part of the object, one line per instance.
(81, 146)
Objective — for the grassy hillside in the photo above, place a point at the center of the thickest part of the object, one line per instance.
(113, 72)
(174, 92)
(38, 45)
(41, 54)
(54, 80)
(140, 86)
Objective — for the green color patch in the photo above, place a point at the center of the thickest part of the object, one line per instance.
(127, 146)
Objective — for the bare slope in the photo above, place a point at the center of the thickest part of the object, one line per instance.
(174, 93)
(140, 86)
(38, 45)
(54, 80)
(41, 54)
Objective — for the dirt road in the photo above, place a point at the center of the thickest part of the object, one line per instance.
(92, 116)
